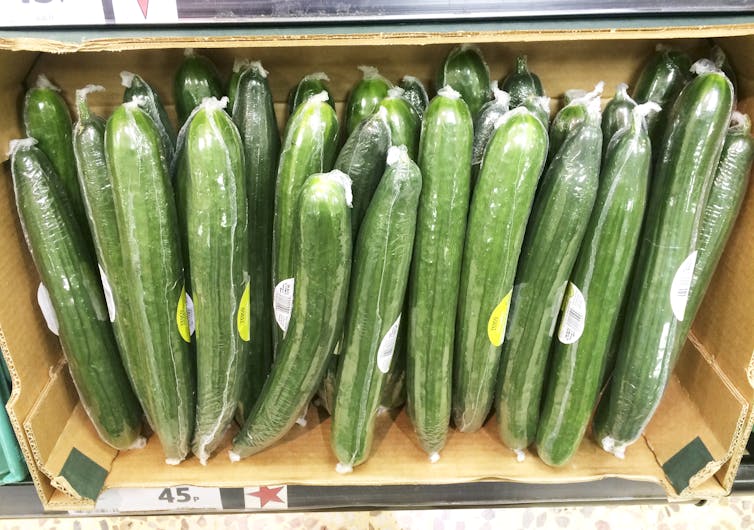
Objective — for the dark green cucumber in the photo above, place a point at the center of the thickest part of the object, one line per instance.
(575, 113)
(196, 79)
(660, 81)
(217, 218)
(415, 93)
(556, 227)
(500, 206)
(309, 146)
(365, 97)
(310, 85)
(485, 125)
(617, 114)
(362, 158)
(404, 121)
(239, 66)
(48, 120)
(153, 275)
(254, 114)
(322, 269)
(393, 393)
(445, 163)
(540, 107)
(67, 270)
(150, 102)
(381, 262)
(522, 83)
(467, 73)
(656, 308)
(597, 287)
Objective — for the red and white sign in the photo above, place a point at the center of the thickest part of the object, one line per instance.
(266, 498)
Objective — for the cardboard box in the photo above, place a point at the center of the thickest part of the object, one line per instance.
(707, 405)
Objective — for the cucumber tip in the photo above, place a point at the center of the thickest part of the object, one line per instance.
(434, 457)
(301, 422)
(173, 461)
(520, 455)
(342, 468)
(233, 456)
(139, 443)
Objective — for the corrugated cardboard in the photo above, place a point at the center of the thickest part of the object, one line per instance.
(709, 396)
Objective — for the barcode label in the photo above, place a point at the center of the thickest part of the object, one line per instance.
(679, 289)
(574, 315)
(387, 347)
(283, 303)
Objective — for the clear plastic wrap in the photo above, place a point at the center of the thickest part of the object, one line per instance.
(62, 256)
(197, 78)
(365, 97)
(579, 110)
(522, 83)
(618, 114)
(310, 85)
(404, 121)
(323, 250)
(415, 93)
(466, 71)
(488, 120)
(382, 257)
(151, 103)
(540, 107)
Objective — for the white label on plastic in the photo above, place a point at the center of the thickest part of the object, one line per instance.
(387, 347)
(47, 13)
(679, 289)
(159, 499)
(108, 294)
(574, 315)
(283, 303)
(190, 314)
(48, 312)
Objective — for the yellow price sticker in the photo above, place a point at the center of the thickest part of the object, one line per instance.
(499, 320)
(243, 318)
(182, 317)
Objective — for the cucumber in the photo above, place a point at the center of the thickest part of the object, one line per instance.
(576, 112)
(153, 276)
(362, 158)
(660, 81)
(150, 102)
(540, 107)
(485, 125)
(310, 85)
(717, 55)
(323, 266)
(67, 270)
(217, 218)
(415, 93)
(48, 121)
(239, 66)
(254, 114)
(445, 163)
(196, 79)
(522, 83)
(500, 206)
(309, 146)
(597, 287)
(466, 72)
(381, 262)
(617, 114)
(556, 227)
(656, 308)
(404, 121)
(365, 97)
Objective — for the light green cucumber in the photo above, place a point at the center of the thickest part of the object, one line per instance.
(404, 121)
(310, 85)
(465, 70)
(365, 97)
(196, 79)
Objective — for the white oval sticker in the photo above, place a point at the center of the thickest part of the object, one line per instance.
(108, 294)
(573, 317)
(48, 311)
(387, 347)
(679, 289)
(283, 303)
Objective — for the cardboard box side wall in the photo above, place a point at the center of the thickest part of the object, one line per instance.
(573, 62)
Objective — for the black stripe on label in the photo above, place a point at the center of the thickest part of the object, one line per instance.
(232, 498)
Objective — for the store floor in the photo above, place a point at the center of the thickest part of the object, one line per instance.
(734, 513)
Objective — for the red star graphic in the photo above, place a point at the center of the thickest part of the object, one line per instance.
(266, 495)
(144, 5)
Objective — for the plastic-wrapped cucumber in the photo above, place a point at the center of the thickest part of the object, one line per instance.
(48, 120)
(595, 294)
(657, 307)
(322, 270)
(71, 285)
(500, 206)
(381, 263)
(150, 102)
(467, 73)
(617, 114)
(554, 233)
(404, 121)
(310, 85)
(485, 125)
(239, 66)
(153, 275)
(365, 97)
(196, 79)
(309, 146)
(721, 61)
(540, 107)
(362, 158)
(254, 114)
(568, 119)
(445, 163)
(522, 83)
(217, 219)
(415, 93)
(660, 82)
